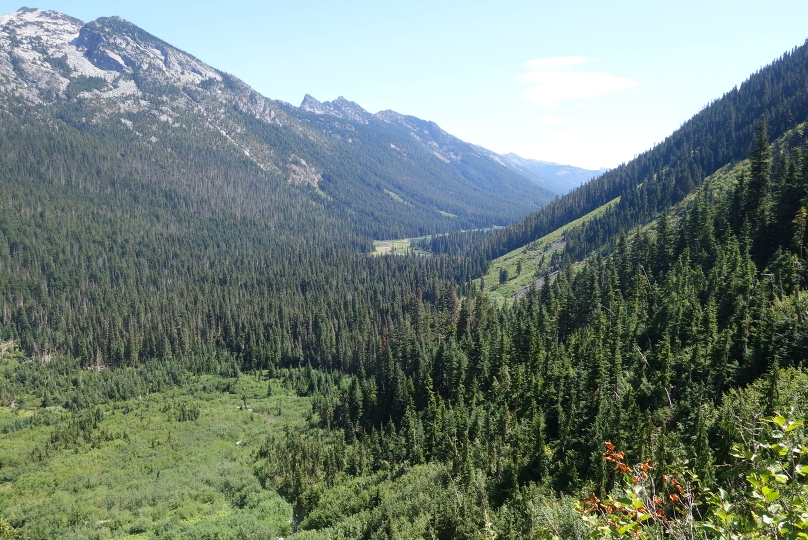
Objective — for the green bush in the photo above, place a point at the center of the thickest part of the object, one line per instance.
(774, 503)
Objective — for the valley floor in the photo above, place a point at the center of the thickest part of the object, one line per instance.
(175, 464)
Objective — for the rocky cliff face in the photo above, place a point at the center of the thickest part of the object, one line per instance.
(116, 69)
(339, 108)
(32, 44)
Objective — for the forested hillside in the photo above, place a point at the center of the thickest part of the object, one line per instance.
(191, 346)
(671, 348)
(721, 133)
(109, 76)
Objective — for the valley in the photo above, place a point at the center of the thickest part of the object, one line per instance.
(202, 337)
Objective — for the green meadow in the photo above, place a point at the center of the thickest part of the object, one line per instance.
(532, 259)
(171, 464)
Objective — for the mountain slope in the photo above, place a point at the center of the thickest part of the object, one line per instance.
(486, 180)
(721, 133)
(110, 73)
(557, 178)
(167, 300)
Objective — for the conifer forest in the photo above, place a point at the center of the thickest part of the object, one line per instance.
(192, 346)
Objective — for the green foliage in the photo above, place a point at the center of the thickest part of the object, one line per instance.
(157, 475)
(775, 504)
(152, 290)
(60, 64)
(6, 530)
(83, 84)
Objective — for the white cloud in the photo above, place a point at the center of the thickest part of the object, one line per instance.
(553, 85)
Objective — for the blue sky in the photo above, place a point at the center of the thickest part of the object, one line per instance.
(584, 83)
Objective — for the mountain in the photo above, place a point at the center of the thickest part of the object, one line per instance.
(560, 179)
(421, 140)
(720, 134)
(110, 75)
(339, 108)
(195, 343)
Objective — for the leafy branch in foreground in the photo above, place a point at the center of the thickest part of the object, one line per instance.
(775, 504)
(639, 507)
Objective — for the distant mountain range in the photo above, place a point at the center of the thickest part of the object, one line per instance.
(557, 178)
(386, 174)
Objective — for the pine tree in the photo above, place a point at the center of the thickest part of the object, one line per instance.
(758, 185)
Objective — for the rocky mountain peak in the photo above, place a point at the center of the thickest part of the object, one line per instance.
(311, 104)
(42, 52)
(116, 68)
(27, 16)
(353, 110)
(340, 108)
(111, 73)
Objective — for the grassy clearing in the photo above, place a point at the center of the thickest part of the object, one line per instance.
(386, 247)
(406, 246)
(9, 352)
(396, 197)
(534, 257)
(142, 472)
(398, 247)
